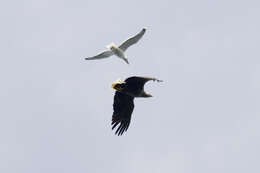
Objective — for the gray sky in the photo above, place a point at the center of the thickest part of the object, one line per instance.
(56, 107)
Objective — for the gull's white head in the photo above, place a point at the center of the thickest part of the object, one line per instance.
(111, 46)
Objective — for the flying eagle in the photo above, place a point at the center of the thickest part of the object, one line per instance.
(119, 51)
(124, 100)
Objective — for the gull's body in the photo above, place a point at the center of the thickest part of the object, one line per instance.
(119, 51)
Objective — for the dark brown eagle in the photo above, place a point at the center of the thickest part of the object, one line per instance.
(124, 100)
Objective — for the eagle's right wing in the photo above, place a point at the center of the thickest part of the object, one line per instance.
(139, 82)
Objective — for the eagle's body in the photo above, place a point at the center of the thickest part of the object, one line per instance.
(124, 100)
(119, 50)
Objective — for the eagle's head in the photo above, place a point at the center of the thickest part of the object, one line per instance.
(118, 85)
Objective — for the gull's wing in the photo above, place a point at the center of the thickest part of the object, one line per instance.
(132, 40)
(105, 54)
(139, 82)
(123, 108)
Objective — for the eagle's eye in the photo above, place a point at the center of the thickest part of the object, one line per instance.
(119, 87)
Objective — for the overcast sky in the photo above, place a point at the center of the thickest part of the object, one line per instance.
(56, 107)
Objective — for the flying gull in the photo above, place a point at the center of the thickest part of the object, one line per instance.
(119, 51)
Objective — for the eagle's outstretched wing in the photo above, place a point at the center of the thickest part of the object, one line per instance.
(123, 109)
(139, 82)
(102, 55)
(129, 42)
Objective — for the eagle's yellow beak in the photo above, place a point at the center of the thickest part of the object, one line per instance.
(118, 81)
(113, 85)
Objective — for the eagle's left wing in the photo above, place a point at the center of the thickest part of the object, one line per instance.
(123, 109)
